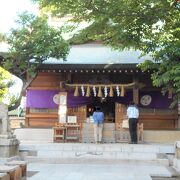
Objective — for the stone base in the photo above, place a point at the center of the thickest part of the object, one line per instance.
(177, 146)
(7, 136)
(9, 147)
(176, 164)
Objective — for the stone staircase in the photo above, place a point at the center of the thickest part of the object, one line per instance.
(86, 153)
(153, 159)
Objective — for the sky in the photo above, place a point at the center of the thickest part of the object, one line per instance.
(9, 10)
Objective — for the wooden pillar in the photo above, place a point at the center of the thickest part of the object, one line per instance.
(27, 118)
(136, 91)
(69, 77)
(62, 86)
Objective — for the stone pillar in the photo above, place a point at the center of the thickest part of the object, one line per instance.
(9, 145)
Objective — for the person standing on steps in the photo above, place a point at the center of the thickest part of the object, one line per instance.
(133, 115)
(98, 120)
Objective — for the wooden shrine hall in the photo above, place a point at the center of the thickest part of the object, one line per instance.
(96, 75)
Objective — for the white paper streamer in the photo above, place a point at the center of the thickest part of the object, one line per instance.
(82, 90)
(117, 90)
(94, 91)
(105, 91)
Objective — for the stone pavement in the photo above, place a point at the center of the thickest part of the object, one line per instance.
(124, 170)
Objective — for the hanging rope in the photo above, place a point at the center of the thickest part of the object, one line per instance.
(88, 92)
(76, 92)
(111, 92)
(99, 92)
(100, 86)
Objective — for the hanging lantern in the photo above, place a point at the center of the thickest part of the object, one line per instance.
(111, 92)
(122, 91)
(88, 92)
(76, 92)
(99, 92)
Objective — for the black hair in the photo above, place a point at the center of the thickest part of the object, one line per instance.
(131, 103)
(98, 108)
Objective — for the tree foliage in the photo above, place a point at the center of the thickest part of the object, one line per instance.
(2, 37)
(5, 83)
(32, 41)
(151, 26)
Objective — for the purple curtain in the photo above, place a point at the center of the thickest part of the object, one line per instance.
(159, 101)
(44, 99)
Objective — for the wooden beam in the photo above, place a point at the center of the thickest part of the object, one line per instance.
(43, 88)
(136, 91)
(42, 115)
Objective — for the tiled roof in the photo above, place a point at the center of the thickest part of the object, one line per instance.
(95, 56)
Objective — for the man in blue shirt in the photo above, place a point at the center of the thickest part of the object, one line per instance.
(133, 115)
(98, 120)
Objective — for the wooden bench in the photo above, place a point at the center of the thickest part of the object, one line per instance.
(59, 133)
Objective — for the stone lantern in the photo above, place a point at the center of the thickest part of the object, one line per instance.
(9, 145)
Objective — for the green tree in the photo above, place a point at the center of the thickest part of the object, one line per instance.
(2, 37)
(151, 26)
(31, 43)
(5, 83)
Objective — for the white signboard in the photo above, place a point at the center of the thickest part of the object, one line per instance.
(72, 119)
(62, 119)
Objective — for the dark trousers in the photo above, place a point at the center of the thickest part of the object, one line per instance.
(133, 129)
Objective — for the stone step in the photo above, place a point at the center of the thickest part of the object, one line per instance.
(82, 147)
(98, 155)
(88, 159)
(46, 155)
(155, 153)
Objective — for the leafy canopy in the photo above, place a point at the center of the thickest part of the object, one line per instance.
(5, 83)
(33, 41)
(151, 26)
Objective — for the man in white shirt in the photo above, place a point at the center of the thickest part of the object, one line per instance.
(133, 115)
